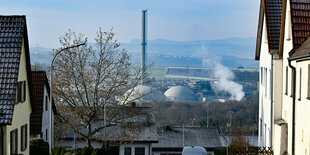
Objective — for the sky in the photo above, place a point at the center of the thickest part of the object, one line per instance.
(179, 20)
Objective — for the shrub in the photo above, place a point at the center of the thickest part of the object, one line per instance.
(87, 150)
(39, 146)
(220, 151)
(59, 150)
(97, 152)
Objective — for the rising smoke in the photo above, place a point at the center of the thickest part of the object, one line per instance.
(225, 83)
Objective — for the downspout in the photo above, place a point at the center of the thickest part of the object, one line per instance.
(271, 103)
(293, 95)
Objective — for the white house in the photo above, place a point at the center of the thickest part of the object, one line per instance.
(267, 52)
(39, 122)
(15, 86)
(288, 116)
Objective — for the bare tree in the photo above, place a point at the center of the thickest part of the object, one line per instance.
(94, 78)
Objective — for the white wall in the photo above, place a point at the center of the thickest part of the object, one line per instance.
(264, 96)
(302, 131)
(286, 98)
(45, 115)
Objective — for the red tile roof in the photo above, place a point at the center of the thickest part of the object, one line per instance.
(271, 10)
(300, 12)
(13, 30)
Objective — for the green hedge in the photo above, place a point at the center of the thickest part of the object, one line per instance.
(220, 151)
(39, 146)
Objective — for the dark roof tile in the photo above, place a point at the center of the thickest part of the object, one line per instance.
(273, 12)
(13, 30)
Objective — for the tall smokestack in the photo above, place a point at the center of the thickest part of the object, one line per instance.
(143, 43)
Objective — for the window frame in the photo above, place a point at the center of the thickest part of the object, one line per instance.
(14, 149)
(46, 103)
(21, 92)
(24, 137)
(127, 148)
(139, 148)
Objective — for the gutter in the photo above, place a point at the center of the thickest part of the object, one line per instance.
(294, 106)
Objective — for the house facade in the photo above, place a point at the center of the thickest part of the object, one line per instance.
(39, 121)
(15, 80)
(288, 29)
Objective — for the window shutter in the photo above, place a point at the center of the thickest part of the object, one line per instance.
(18, 92)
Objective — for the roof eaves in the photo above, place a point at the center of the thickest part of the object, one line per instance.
(306, 55)
(282, 30)
(259, 30)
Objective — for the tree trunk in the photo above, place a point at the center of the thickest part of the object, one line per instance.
(88, 142)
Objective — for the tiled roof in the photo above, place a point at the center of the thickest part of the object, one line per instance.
(302, 51)
(300, 12)
(12, 31)
(273, 12)
(193, 136)
(38, 81)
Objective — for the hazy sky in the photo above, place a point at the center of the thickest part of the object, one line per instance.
(167, 19)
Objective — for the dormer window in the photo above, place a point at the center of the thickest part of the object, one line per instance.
(21, 91)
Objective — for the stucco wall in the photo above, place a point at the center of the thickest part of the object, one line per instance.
(45, 115)
(302, 131)
(264, 96)
(286, 98)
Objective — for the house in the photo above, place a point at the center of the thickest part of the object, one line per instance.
(283, 29)
(120, 141)
(39, 118)
(270, 64)
(15, 86)
(299, 61)
(172, 140)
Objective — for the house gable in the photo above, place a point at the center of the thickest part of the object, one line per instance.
(271, 11)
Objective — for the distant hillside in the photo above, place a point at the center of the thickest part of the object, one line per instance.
(232, 52)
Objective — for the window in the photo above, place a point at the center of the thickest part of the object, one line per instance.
(139, 151)
(23, 137)
(300, 78)
(308, 96)
(265, 81)
(14, 141)
(46, 103)
(261, 127)
(46, 134)
(21, 91)
(261, 75)
(286, 81)
(127, 151)
(292, 82)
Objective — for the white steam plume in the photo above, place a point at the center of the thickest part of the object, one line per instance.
(226, 84)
